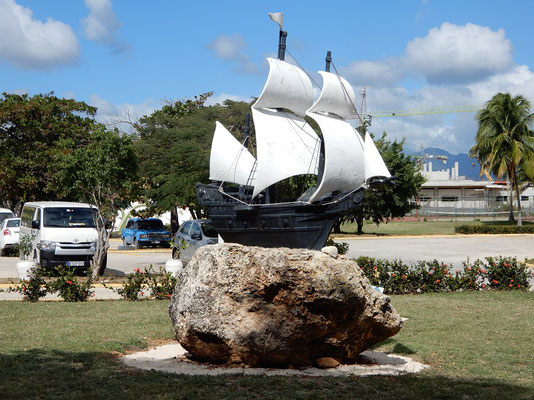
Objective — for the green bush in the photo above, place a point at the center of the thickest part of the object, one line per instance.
(494, 229)
(34, 288)
(68, 287)
(160, 285)
(342, 247)
(432, 276)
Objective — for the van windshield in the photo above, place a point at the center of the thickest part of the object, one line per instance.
(69, 217)
(4, 215)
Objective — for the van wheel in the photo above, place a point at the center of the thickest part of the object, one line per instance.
(136, 244)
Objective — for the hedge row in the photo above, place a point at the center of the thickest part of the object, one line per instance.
(493, 229)
(503, 273)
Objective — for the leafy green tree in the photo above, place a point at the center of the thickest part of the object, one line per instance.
(173, 146)
(100, 169)
(384, 202)
(30, 128)
(53, 149)
(504, 142)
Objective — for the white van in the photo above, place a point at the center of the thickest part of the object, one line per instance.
(63, 233)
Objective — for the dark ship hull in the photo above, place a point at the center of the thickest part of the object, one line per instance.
(294, 224)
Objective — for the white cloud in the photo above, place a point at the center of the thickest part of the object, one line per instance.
(220, 98)
(459, 66)
(32, 44)
(455, 53)
(120, 116)
(374, 73)
(231, 48)
(102, 25)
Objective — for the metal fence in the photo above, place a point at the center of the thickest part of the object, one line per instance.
(471, 208)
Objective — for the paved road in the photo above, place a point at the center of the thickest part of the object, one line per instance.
(449, 249)
(120, 262)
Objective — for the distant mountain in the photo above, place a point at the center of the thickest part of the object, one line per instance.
(467, 166)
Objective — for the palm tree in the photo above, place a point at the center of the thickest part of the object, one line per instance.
(504, 141)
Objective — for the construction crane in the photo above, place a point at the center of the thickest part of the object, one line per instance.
(424, 111)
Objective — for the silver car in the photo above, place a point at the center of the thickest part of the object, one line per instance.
(190, 236)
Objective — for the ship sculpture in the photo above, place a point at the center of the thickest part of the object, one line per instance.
(240, 199)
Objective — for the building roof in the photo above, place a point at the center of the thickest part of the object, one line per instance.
(458, 183)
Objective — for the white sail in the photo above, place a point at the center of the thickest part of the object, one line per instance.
(344, 168)
(287, 87)
(286, 146)
(337, 97)
(374, 164)
(343, 156)
(229, 160)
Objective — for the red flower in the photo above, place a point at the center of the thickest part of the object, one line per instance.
(404, 277)
(393, 275)
(518, 286)
(142, 293)
(469, 268)
(437, 281)
(374, 267)
(168, 296)
(494, 281)
(510, 285)
(69, 282)
(483, 285)
(483, 271)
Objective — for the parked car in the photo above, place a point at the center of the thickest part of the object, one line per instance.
(5, 213)
(141, 232)
(62, 233)
(9, 234)
(190, 236)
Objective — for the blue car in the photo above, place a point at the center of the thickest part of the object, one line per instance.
(145, 232)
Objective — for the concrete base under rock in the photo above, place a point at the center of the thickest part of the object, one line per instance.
(172, 358)
(277, 307)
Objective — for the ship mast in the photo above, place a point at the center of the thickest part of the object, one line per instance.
(279, 19)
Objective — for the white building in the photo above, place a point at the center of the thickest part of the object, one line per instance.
(446, 190)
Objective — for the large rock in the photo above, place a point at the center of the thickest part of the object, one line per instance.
(259, 306)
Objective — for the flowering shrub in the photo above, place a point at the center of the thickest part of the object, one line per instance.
(160, 285)
(506, 273)
(34, 288)
(132, 289)
(433, 276)
(68, 286)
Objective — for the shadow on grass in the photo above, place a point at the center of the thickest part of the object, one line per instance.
(63, 375)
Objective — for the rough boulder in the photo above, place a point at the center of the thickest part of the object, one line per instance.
(277, 307)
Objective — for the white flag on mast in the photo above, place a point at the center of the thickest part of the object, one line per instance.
(278, 18)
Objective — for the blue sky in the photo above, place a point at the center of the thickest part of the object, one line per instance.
(128, 56)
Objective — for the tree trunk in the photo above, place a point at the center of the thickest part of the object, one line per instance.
(519, 219)
(174, 221)
(359, 222)
(511, 202)
(102, 246)
(337, 226)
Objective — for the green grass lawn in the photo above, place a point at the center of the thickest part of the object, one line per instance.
(479, 346)
(395, 228)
